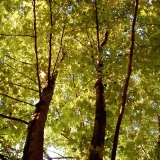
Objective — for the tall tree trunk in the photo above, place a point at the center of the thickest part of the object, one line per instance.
(33, 149)
(97, 143)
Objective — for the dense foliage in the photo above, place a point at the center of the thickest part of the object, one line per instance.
(71, 114)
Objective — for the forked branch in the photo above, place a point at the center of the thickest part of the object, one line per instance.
(124, 96)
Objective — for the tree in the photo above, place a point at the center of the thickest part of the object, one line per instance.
(59, 58)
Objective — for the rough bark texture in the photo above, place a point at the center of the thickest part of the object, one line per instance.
(33, 149)
(97, 143)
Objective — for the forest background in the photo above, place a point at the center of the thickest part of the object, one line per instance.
(61, 60)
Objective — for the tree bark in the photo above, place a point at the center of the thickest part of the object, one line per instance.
(97, 143)
(158, 142)
(33, 149)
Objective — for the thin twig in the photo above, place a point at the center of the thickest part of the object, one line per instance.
(13, 118)
(17, 60)
(22, 73)
(145, 152)
(97, 26)
(36, 49)
(16, 35)
(48, 157)
(65, 136)
(19, 85)
(63, 158)
(80, 29)
(92, 53)
(54, 152)
(58, 14)
(149, 24)
(81, 43)
(16, 99)
(124, 96)
(60, 49)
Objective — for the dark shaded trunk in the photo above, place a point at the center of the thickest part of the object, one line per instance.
(33, 149)
(159, 130)
(2, 157)
(158, 142)
(97, 143)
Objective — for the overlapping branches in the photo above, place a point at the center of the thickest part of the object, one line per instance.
(124, 96)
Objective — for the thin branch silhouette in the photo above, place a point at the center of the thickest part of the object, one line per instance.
(16, 35)
(17, 60)
(13, 118)
(36, 49)
(124, 96)
(16, 99)
(50, 40)
(22, 73)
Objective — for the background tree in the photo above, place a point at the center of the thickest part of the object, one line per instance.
(73, 31)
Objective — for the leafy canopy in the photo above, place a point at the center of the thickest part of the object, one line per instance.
(71, 115)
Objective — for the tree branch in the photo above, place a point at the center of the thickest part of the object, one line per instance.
(63, 158)
(158, 129)
(65, 136)
(124, 96)
(16, 99)
(50, 40)
(144, 152)
(60, 49)
(59, 13)
(17, 60)
(97, 26)
(22, 73)
(16, 35)
(13, 118)
(105, 38)
(24, 87)
(35, 46)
